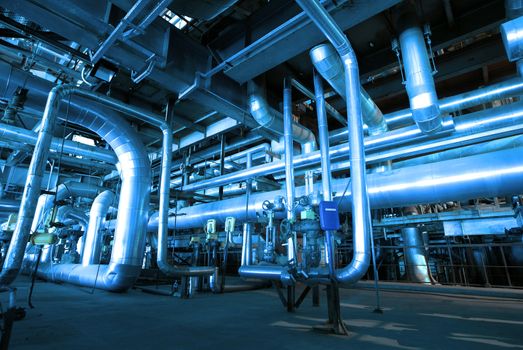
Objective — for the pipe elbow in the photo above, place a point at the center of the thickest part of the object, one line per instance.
(353, 272)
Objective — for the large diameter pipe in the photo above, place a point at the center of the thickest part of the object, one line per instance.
(486, 175)
(328, 64)
(512, 35)
(508, 88)
(418, 74)
(93, 237)
(415, 260)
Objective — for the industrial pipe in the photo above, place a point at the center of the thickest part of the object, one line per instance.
(486, 175)
(323, 132)
(328, 64)
(66, 190)
(289, 166)
(418, 74)
(127, 252)
(480, 126)
(13, 133)
(93, 238)
(272, 120)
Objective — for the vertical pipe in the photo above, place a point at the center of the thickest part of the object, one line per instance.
(15, 253)
(361, 222)
(418, 74)
(246, 258)
(323, 132)
(289, 168)
(93, 237)
(417, 268)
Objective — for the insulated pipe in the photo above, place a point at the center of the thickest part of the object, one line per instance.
(512, 35)
(149, 118)
(69, 212)
(63, 191)
(486, 175)
(323, 131)
(272, 120)
(13, 133)
(460, 152)
(507, 88)
(360, 201)
(15, 253)
(328, 64)
(289, 166)
(126, 259)
(93, 237)
(415, 260)
(418, 74)
(480, 126)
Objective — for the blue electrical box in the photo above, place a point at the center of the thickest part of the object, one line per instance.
(329, 218)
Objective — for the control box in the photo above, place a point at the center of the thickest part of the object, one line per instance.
(329, 216)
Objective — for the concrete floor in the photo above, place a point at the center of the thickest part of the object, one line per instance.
(68, 317)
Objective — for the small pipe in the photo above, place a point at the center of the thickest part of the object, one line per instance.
(289, 166)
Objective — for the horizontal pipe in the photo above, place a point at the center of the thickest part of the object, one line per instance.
(13, 133)
(507, 88)
(486, 175)
(479, 123)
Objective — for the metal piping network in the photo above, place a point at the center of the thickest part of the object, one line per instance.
(92, 241)
(472, 128)
(418, 74)
(491, 174)
(361, 224)
(328, 64)
(508, 88)
(126, 257)
(68, 211)
(65, 190)
(13, 133)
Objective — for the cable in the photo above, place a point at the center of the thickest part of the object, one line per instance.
(344, 192)
(33, 278)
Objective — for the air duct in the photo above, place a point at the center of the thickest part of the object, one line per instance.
(328, 63)
(418, 74)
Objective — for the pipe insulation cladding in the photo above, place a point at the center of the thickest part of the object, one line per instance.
(486, 175)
